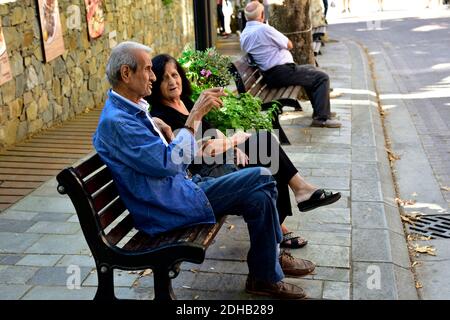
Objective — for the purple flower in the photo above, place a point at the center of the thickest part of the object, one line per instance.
(205, 73)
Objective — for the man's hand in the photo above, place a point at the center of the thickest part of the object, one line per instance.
(208, 99)
(165, 129)
(241, 157)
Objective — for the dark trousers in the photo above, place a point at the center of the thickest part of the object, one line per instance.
(220, 18)
(325, 5)
(263, 150)
(283, 171)
(315, 82)
(251, 193)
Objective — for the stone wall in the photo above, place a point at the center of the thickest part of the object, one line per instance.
(43, 94)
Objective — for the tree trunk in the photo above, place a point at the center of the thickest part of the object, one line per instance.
(292, 19)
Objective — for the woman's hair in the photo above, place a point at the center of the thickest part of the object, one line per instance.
(159, 66)
(123, 54)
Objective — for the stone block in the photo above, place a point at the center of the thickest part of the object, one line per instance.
(366, 190)
(336, 290)
(7, 225)
(16, 274)
(31, 111)
(52, 227)
(60, 293)
(39, 260)
(325, 255)
(56, 276)
(12, 291)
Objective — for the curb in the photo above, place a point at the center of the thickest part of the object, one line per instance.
(380, 259)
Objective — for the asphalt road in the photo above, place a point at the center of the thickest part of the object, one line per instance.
(410, 50)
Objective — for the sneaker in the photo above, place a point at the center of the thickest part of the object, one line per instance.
(295, 267)
(280, 289)
(329, 123)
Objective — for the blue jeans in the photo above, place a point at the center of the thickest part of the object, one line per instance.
(251, 193)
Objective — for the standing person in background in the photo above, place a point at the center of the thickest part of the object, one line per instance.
(227, 10)
(220, 17)
(325, 6)
(346, 6)
(266, 10)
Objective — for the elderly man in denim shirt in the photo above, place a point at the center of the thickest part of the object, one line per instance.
(149, 167)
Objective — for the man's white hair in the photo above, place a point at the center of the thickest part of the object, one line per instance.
(253, 10)
(123, 54)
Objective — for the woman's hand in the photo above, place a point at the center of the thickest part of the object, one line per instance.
(165, 129)
(208, 99)
(241, 158)
(239, 137)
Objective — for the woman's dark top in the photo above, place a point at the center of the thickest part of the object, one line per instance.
(177, 120)
(174, 118)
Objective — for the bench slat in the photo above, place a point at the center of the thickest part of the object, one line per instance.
(273, 93)
(111, 213)
(287, 92)
(104, 197)
(121, 230)
(206, 235)
(95, 182)
(89, 166)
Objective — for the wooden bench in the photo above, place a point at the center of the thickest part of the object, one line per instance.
(112, 239)
(248, 78)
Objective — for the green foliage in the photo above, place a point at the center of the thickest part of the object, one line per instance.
(205, 69)
(167, 2)
(208, 69)
(241, 112)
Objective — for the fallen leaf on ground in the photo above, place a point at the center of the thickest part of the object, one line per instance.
(403, 203)
(222, 247)
(193, 270)
(186, 287)
(446, 188)
(196, 297)
(392, 156)
(425, 249)
(146, 272)
(418, 285)
(415, 237)
(416, 263)
(334, 95)
(410, 218)
(231, 227)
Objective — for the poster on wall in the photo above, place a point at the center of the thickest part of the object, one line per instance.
(95, 15)
(51, 29)
(5, 68)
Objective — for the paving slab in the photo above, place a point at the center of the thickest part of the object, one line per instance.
(39, 260)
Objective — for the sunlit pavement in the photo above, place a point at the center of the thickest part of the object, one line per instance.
(409, 49)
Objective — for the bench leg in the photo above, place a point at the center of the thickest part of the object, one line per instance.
(105, 289)
(282, 135)
(163, 285)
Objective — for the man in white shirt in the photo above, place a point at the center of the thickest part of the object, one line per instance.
(270, 50)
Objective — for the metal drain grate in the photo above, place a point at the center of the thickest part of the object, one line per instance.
(433, 226)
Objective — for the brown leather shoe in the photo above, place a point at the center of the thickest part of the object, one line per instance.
(280, 290)
(295, 267)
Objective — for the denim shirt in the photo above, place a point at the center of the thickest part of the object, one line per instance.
(150, 176)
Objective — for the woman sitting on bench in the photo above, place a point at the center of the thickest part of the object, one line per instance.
(170, 102)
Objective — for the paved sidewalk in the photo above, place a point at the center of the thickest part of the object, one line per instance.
(357, 243)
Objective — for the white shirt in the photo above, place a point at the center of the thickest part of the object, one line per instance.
(143, 105)
(268, 46)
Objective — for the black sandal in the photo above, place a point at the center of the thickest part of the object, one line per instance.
(320, 197)
(295, 241)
